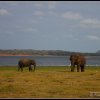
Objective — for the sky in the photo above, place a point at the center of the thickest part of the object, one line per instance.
(50, 25)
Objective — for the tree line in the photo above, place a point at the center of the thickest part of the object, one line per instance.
(44, 52)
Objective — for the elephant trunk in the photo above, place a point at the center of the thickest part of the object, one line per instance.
(72, 66)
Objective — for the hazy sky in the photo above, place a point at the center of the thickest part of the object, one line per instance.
(50, 25)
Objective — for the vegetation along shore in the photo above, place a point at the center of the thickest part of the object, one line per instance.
(27, 52)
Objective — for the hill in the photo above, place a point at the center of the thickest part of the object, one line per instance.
(42, 52)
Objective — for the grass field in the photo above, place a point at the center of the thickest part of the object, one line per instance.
(49, 82)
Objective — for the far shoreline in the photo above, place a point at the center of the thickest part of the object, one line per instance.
(30, 55)
(15, 55)
(1, 55)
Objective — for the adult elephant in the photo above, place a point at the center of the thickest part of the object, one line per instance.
(78, 60)
(25, 62)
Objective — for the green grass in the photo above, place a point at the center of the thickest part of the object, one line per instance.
(49, 82)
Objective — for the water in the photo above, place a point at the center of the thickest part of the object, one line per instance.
(46, 60)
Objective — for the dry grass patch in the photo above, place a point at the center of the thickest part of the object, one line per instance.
(49, 82)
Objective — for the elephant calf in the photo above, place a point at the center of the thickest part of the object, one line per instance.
(25, 62)
(79, 60)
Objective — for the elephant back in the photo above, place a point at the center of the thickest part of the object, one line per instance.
(25, 61)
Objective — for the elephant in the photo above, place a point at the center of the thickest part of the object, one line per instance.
(79, 60)
(25, 62)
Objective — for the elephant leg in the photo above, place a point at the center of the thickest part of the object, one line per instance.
(18, 68)
(30, 68)
(72, 68)
(34, 67)
(82, 69)
(78, 68)
(21, 69)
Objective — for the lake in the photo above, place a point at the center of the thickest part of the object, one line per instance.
(47, 60)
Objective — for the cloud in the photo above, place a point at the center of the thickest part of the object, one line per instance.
(51, 4)
(93, 37)
(71, 15)
(95, 23)
(38, 13)
(31, 29)
(3, 12)
(38, 5)
(83, 22)
(9, 2)
(53, 13)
